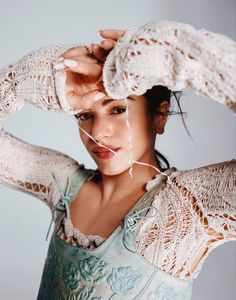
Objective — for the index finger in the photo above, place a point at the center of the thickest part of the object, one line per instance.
(99, 52)
(113, 34)
(75, 51)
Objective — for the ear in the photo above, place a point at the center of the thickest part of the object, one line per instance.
(161, 119)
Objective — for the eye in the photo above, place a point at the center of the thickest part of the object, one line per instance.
(84, 116)
(118, 110)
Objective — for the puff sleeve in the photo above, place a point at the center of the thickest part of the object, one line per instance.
(174, 55)
(29, 168)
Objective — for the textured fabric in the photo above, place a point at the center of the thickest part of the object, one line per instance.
(174, 55)
(75, 237)
(114, 269)
(32, 80)
(197, 212)
(197, 209)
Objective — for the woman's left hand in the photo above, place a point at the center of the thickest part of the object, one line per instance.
(110, 37)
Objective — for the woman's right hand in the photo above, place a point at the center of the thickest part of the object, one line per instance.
(83, 81)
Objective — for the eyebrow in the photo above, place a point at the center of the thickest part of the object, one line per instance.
(107, 101)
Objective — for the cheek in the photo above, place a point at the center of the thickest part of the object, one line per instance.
(141, 128)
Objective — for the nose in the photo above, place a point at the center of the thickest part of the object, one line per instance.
(101, 129)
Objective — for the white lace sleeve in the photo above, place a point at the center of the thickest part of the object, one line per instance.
(196, 213)
(212, 190)
(174, 55)
(23, 166)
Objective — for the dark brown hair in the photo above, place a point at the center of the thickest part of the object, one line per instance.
(155, 96)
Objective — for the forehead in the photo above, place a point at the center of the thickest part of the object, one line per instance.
(105, 102)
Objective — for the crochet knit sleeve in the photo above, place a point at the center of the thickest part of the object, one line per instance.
(212, 190)
(174, 55)
(196, 213)
(29, 168)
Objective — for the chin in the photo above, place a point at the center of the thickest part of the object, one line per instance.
(113, 170)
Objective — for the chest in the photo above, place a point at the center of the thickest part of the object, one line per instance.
(91, 216)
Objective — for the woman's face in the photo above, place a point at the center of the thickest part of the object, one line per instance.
(106, 122)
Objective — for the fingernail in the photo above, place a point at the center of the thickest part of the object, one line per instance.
(99, 31)
(59, 66)
(98, 96)
(105, 43)
(70, 63)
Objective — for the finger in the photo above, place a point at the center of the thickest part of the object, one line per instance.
(108, 44)
(89, 98)
(113, 34)
(86, 100)
(75, 51)
(87, 69)
(100, 85)
(84, 58)
(99, 52)
(74, 60)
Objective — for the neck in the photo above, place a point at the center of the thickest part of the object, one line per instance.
(117, 187)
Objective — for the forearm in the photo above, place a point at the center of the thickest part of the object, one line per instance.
(32, 80)
(30, 168)
(213, 191)
(174, 55)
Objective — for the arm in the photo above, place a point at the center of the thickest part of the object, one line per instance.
(212, 192)
(197, 212)
(174, 55)
(26, 167)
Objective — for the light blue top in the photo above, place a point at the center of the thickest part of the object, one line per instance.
(113, 270)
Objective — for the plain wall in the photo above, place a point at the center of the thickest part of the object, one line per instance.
(24, 220)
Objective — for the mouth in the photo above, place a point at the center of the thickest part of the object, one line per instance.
(104, 153)
(105, 149)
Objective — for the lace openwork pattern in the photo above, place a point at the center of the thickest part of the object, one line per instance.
(197, 207)
(174, 55)
(32, 80)
(75, 237)
(197, 212)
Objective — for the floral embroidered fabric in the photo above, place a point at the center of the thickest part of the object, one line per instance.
(114, 269)
(189, 220)
(197, 209)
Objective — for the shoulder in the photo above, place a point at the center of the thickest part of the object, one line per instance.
(215, 181)
(214, 186)
(210, 173)
(77, 179)
(68, 179)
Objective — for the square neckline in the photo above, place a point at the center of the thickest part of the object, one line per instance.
(76, 189)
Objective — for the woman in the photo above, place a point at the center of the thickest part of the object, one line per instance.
(132, 229)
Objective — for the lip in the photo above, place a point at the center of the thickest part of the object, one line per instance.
(104, 150)
(104, 153)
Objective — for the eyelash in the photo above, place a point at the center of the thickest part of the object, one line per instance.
(80, 116)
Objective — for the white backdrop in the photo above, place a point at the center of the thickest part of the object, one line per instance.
(27, 25)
